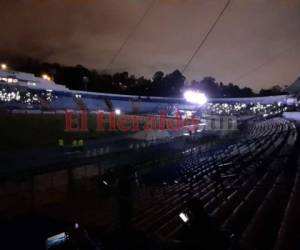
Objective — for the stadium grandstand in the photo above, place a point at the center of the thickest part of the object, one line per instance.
(23, 91)
(215, 187)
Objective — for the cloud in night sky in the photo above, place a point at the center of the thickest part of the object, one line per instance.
(255, 43)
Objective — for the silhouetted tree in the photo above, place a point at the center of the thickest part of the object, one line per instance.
(275, 90)
(161, 84)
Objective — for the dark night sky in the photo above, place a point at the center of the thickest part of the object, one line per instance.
(256, 43)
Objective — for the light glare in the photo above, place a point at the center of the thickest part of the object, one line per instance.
(46, 77)
(195, 97)
(184, 217)
(3, 66)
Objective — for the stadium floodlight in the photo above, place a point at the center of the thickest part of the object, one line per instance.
(117, 111)
(195, 97)
(4, 66)
(46, 77)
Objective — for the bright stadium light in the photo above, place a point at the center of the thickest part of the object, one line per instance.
(117, 111)
(46, 77)
(195, 97)
(4, 66)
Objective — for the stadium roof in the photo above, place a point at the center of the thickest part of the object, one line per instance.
(294, 88)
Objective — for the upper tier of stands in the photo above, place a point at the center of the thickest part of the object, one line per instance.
(14, 97)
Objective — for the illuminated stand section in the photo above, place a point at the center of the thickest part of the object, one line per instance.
(29, 80)
(24, 92)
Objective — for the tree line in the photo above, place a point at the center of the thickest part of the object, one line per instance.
(169, 85)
